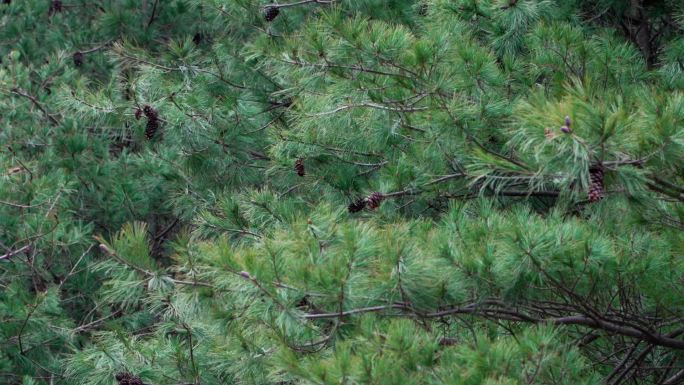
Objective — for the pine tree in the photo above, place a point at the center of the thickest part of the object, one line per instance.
(334, 191)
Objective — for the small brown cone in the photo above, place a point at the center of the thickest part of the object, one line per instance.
(78, 58)
(596, 191)
(128, 379)
(357, 205)
(374, 200)
(271, 12)
(299, 167)
(151, 128)
(152, 122)
(55, 7)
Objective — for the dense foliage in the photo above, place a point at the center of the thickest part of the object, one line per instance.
(341, 192)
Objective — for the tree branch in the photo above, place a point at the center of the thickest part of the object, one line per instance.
(15, 252)
(477, 309)
(20, 92)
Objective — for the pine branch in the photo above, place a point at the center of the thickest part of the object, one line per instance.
(108, 251)
(15, 252)
(302, 2)
(678, 378)
(368, 105)
(476, 309)
(154, 10)
(20, 92)
(357, 68)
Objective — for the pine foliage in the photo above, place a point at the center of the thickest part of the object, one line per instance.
(335, 191)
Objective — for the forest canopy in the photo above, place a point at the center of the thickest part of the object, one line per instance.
(341, 192)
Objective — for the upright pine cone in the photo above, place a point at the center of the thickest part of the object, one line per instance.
(567, 127)
(271, 12)
(596, 191)
(357, 205)
(374, 200)
(125, 378)
(299, 167)
(78, 58)
(152, 122)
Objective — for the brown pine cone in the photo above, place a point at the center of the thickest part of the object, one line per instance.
(55, 7)
(78, 58)
(596, 191)
(125, 378)
(151, 128)
(271, 12)
(374, 200)
(153, 122)
(357, 205)
(299, 167)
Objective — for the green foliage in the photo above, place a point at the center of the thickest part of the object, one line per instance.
(153, 221)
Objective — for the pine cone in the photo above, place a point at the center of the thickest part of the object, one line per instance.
(78, 58)
(374, 200)
(150, 112)
(596, 191)
(55, 7)
(197, 39)
(151, 129)
(357, 205)
(152, 122)
(271, 12)
(566, 128)
(299, 167)
(128, 379)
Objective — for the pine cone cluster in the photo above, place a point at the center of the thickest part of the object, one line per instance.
(271, 12)
(372, 201)
(596, 191)
(299, 167)
(78, 58)
(153, 122)
(125, 378)
(566, 128)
